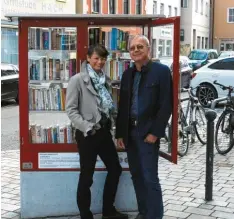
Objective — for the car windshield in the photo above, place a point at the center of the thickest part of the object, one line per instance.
(226, 54)
(196, 55)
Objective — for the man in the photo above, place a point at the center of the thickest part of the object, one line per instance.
(144, 110)
(89, 106)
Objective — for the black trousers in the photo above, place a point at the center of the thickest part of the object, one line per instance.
(89, 147)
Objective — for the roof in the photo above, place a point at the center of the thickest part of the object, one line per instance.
(13, 16)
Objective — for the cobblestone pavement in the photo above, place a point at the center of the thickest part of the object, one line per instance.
(182, 184)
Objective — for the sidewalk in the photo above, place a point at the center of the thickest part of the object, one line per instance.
(182, 184)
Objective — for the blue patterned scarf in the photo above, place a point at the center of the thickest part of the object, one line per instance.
(99, 80)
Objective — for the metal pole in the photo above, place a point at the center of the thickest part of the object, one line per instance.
(210, 116)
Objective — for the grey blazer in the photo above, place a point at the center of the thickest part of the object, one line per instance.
(82, 101)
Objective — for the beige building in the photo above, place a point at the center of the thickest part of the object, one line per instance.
(223, 34)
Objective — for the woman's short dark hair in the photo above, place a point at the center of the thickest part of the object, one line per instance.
(99, 49)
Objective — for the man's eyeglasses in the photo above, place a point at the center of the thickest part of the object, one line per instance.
(138, 47)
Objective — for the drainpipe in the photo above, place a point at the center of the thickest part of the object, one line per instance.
(211, 24)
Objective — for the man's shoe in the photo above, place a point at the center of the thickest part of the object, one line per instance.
(140, 216)
(115, 215)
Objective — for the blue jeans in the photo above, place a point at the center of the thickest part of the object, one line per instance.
(143, 165)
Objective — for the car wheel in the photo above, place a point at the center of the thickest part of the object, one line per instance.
(206, 93)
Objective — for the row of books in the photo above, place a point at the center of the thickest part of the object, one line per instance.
(51, 39)
(47, 98)
(115, 39)
(115, 68)
(53, 134)
(43, 68)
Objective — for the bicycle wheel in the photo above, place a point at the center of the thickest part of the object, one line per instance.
(224, 132)
(200, 125)
(183, 137)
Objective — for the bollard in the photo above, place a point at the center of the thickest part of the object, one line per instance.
(210, 116)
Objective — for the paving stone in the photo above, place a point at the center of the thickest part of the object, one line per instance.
(176, 214)
(218, 203)
(176, 207)
(196, 216)
(200, 211)
(231, 205)
(206, 206)
(191, 204)
(8, 195)
(186, 199)
(224, 209)
(10, 215)
(175, 202)
(182, 189)
(223, 215)
(231, 200)
(184, 194)
(168, 192)
(9, 207)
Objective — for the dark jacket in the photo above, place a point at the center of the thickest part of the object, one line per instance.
(154, 101)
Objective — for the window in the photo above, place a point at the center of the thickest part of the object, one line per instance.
(96, 6)
(207, 9)
(206, 43)
(9, 45)
(169, 11)
(202, 6)
(161, 8)
(155, 7)
(225, 64)
(198, 42)
(112, 7)
(126, 7)
(196, 6)
(184, 3)
(138, 6)
(230, 15)
(169, 48)
(175, 11)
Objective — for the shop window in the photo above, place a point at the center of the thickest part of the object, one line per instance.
(9, 45)
(126, 7)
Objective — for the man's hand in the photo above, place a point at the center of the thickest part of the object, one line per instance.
(120, 143)
(151, 139)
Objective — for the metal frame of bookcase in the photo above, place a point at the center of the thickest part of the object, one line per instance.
(29, 152)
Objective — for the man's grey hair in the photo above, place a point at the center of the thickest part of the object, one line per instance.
(143, 37)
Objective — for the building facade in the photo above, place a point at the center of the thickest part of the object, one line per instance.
(195, 25)
(223, 25)
(162, 37)
(9, 30)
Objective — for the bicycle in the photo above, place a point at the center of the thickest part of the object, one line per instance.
(190, 123)
(225, 123)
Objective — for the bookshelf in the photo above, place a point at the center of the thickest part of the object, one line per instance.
(51, 50)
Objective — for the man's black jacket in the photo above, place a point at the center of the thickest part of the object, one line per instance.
(154, 101)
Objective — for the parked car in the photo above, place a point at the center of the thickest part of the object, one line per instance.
(200, 57)
(10, 82)
(185, 69)
(225, 54)
(221, 70)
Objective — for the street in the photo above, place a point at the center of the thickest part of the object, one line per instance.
(10, 126)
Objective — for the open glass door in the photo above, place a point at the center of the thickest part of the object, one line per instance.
(164, 35)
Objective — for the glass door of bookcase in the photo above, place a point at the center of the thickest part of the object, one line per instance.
(51, 62)
(166, 50)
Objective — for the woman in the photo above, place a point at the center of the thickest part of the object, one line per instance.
(89, 107)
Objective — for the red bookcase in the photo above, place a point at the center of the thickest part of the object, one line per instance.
(51, 50)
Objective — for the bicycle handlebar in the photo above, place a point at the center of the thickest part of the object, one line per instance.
(230, 88)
